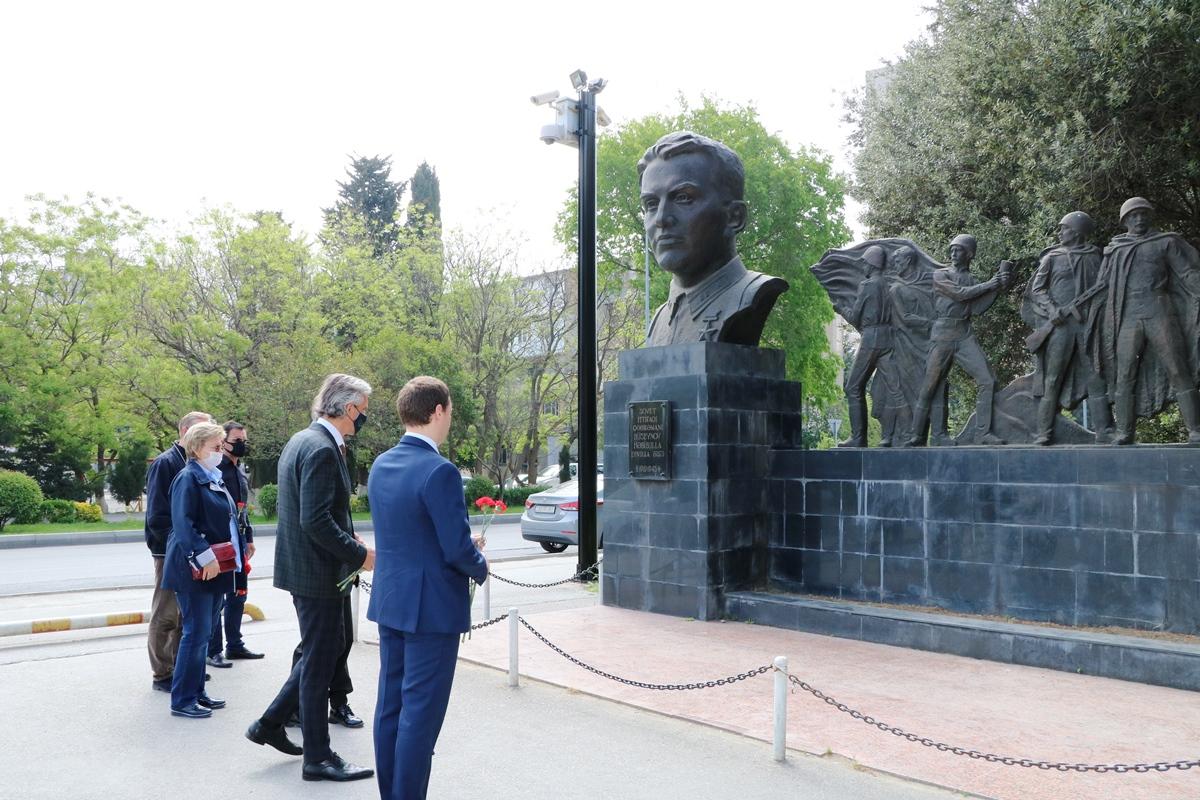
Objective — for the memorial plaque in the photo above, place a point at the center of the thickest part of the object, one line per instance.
(650, 440)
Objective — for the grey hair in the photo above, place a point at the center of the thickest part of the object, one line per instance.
(336, 392)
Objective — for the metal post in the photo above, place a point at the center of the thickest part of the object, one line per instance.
(781, 693)
(487, 597)
(587, 326)
(355, 598)
(514, 624)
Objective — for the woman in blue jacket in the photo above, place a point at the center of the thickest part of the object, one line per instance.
(202, 515)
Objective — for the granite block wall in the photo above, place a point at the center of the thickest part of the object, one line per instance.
(1070, 535)
(676, 546)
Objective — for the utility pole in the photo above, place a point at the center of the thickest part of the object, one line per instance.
(587, 319)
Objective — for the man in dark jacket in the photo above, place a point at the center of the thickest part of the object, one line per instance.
(162, 639)
(316, 552)
(234, 604)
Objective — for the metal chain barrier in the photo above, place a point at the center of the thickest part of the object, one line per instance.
(678, 687)
(1161, 766)
(487, 622)
(588, 573)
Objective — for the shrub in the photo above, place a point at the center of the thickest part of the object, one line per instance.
(268, 500)
(58, 511)
(478, 487)
(20, 498)
(88, 512)
(518, 496)
(359, 504)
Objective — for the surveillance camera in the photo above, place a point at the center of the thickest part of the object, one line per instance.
(544, 98)
(602, 119)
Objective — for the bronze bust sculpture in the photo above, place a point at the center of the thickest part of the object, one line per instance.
(692, 191)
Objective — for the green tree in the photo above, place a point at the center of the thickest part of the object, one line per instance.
(127, 477)
(425, 199)
(370, 194)
(66, 275)
(796, 213)
(1010, 113)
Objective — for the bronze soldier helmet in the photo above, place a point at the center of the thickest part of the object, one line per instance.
(875, 256)
(967, 241)
(1133, 204)
(1080, 222)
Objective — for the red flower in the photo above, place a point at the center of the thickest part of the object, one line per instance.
(501, 507)
(484, 502)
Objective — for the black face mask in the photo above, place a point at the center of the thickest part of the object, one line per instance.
(359, 421)
(237, 449)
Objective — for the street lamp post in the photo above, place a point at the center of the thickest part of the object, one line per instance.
(576, 126)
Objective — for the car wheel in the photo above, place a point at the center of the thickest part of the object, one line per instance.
(553, 547)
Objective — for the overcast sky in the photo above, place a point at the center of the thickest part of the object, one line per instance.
(174, 107)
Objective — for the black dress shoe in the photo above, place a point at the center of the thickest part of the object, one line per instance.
(207, 677)
(193, 711)
(210, 702)
(219, 662)
(293, 720)
(344, 716)
(242, 652)
(336, 768)
(161, 686)
(276, 737)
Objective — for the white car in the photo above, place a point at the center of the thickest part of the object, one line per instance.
(551, 518)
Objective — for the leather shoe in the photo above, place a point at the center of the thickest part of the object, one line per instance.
(193, 711)
(293, 720)
(336, 768)
(276, 737)
(242, 652)
(342, 715)
(210, 702)
(207, 677)
(219, 662)
(161, 686)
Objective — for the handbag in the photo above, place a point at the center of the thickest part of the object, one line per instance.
(226, 560)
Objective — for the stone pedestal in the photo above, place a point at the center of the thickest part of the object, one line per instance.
(677, 546)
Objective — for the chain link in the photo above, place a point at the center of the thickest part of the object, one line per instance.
(1161, 766)
(487, 622)
(588, 573)
(678, 687)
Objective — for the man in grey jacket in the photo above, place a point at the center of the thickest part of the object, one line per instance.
(316, 550)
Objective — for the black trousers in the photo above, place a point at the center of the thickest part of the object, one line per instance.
(322, 641)
(341, 686)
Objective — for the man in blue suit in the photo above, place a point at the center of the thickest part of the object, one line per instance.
(425, 560)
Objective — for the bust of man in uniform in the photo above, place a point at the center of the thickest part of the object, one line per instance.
(692, 190)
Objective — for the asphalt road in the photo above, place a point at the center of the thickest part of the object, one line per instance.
(115, 565)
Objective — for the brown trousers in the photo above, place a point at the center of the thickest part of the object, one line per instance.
(162, 640)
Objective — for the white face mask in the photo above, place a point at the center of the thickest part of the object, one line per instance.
(211, 461)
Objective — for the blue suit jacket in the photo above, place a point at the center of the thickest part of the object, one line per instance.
(424, 557)
(199, 519)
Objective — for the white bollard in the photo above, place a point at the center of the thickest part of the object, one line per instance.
(355, 599)
(514, 623)
(487, 597)
(781, 694)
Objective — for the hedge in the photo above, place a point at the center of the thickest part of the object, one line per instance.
(58, 511)
(268, 500)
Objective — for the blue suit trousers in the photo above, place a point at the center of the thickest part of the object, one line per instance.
(416, 671)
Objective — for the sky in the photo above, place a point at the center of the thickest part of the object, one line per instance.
(258, 105)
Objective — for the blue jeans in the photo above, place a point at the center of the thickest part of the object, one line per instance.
(195, 613)
(230, 606)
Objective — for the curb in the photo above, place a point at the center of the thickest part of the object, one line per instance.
(24, 627)
(15, 540)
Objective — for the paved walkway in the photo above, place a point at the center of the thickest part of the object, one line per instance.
(1004, 709)
(82, 723)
